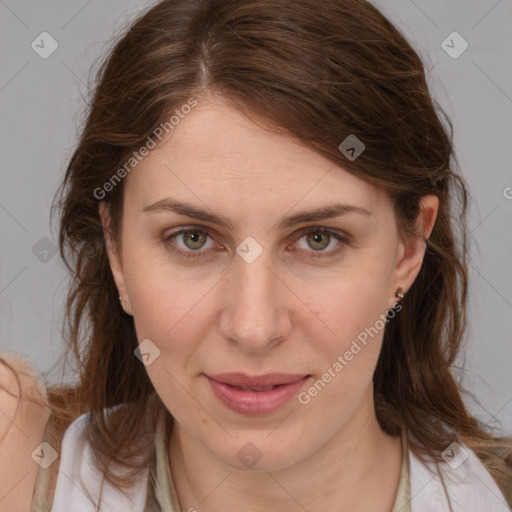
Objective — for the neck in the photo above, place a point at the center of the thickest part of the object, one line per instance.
(357, 470)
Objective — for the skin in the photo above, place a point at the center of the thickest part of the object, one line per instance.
(23, 417)
(287, 311)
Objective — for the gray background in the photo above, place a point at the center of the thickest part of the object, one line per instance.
(41, 103)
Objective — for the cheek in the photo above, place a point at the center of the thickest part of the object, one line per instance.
(167, 310)
(347, 305)
(349, 357)
(151, 286)
(164, 315)
(348, 322)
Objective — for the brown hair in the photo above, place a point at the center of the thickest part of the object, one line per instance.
(318, 70)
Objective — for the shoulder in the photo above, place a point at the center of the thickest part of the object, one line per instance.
(80, 482)
(468, 483)
(24, 414)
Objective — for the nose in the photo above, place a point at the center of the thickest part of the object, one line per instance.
(256, 313)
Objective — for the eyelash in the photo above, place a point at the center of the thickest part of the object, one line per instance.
(316, 229)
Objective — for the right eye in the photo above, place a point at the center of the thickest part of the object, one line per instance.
(193, 241)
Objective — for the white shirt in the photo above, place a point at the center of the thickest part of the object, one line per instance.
(470, 486)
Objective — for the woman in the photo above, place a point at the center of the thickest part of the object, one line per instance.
(268, 290)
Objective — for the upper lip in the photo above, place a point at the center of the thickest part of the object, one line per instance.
(271, 379)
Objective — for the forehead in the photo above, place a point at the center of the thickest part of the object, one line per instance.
(217, 156)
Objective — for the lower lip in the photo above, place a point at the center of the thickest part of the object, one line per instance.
(255, 402)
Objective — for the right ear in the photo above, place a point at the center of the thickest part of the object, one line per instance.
(113, 256)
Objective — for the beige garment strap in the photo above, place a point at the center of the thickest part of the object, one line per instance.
(46, 480)
(165, 491)
(403, 494)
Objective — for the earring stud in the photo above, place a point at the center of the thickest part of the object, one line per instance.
(399, 293)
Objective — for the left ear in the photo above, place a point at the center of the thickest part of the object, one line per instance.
(411, 250)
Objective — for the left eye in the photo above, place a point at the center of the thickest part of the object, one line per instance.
(319, 239)
(194, 241)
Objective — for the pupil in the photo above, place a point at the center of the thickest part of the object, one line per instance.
(194, 238)
(317, 239)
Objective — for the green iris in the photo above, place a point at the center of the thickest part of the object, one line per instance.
(196, 237)
(316, 238)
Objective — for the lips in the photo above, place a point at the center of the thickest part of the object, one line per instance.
(255, 395)
(259, 383)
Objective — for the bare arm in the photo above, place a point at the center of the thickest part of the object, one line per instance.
(23, 417)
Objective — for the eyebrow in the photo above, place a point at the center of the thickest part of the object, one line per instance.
(189, 210)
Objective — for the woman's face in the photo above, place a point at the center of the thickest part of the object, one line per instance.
(251, 289)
